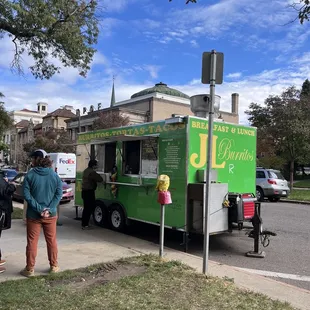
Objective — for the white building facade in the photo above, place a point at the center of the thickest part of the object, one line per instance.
(19, 116)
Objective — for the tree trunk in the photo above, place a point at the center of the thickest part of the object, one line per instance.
(292, 167)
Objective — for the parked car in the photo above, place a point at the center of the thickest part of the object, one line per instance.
(270, 184)
(9, 173)
(67, 192)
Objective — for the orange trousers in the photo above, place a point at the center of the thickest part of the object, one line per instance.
(33, 235)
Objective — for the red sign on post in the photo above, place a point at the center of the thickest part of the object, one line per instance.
(164, 198)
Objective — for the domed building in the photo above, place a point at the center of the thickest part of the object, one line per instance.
(162, 89)
(161, 102)
(148, 105)
(158, 102)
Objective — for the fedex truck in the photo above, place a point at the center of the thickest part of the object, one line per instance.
(65, 165)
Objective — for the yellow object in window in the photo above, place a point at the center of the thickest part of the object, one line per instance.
(163, 183)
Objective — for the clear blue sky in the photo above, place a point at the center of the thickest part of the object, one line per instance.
(143, 42)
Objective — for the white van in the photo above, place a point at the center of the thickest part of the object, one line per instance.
(65, 165)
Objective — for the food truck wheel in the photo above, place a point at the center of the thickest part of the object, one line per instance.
(259, 194)
(100, 214)
(117, 218)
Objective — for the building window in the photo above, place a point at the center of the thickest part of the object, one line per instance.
(43, 108)
(132, 159)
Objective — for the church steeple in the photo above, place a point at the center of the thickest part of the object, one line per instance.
(113, 94)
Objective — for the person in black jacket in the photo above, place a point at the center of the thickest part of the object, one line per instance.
(6, 209)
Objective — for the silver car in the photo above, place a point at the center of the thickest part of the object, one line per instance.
(270, 184)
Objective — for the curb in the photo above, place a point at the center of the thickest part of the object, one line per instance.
(296, 202)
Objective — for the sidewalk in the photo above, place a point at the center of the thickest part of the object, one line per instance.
(79, 248)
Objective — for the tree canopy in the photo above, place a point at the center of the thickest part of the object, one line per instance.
(303, 8)
(305, 89)
(51, 142)
(284, 126)
(110, 119)
(5, 121)
(65, 30)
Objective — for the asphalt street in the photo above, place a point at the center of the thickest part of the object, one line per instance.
(288, 252)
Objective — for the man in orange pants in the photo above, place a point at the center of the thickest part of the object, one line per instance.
(42, 192)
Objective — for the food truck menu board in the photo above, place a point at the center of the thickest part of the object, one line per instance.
(172, 157)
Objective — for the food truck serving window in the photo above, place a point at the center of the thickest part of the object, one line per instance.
(110, 157)
(149, 157)
(141, 157)
(105, 154)
(132, 158)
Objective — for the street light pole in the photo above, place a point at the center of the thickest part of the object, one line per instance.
(209, 163)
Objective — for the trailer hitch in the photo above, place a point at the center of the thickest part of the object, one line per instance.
(259, 235)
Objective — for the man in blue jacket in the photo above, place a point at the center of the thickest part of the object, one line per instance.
(42, 192)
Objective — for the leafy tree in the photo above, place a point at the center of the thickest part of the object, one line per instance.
(63, 29)
(305, 89)
(303, 8)
(5, 120)
(110, 119)
(284, 126)
(51, 142)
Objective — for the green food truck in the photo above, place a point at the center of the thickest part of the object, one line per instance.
(130, 159)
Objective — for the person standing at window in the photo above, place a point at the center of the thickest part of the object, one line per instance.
(89, 186)
(6, 209)
(43, 192)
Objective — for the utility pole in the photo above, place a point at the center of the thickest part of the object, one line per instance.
(212, 73)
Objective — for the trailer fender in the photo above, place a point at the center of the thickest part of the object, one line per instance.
(109, 203)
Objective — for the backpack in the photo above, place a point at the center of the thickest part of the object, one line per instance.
(6, 208)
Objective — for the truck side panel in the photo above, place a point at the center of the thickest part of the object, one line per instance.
(234, 153)
(140, 202)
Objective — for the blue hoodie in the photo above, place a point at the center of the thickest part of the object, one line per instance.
(42, 189)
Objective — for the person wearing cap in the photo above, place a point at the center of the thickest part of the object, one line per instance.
(42, 192)
(89, 185)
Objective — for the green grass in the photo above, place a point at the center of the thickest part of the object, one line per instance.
(17, 213)
(302, 184)
(158, 285)
(300, 194)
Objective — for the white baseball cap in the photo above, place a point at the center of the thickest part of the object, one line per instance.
(38, 153)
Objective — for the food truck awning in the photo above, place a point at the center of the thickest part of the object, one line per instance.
(122, 138)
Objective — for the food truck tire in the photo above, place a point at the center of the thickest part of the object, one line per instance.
(100, 214)
(117, 217)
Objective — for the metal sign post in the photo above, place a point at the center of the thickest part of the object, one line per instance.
(162, 230)
(164, 198)
(212, 72)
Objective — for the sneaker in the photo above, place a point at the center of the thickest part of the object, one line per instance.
(2, 262)
(2, 269)
(27, 273)
(54, 269)
(86, 227)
